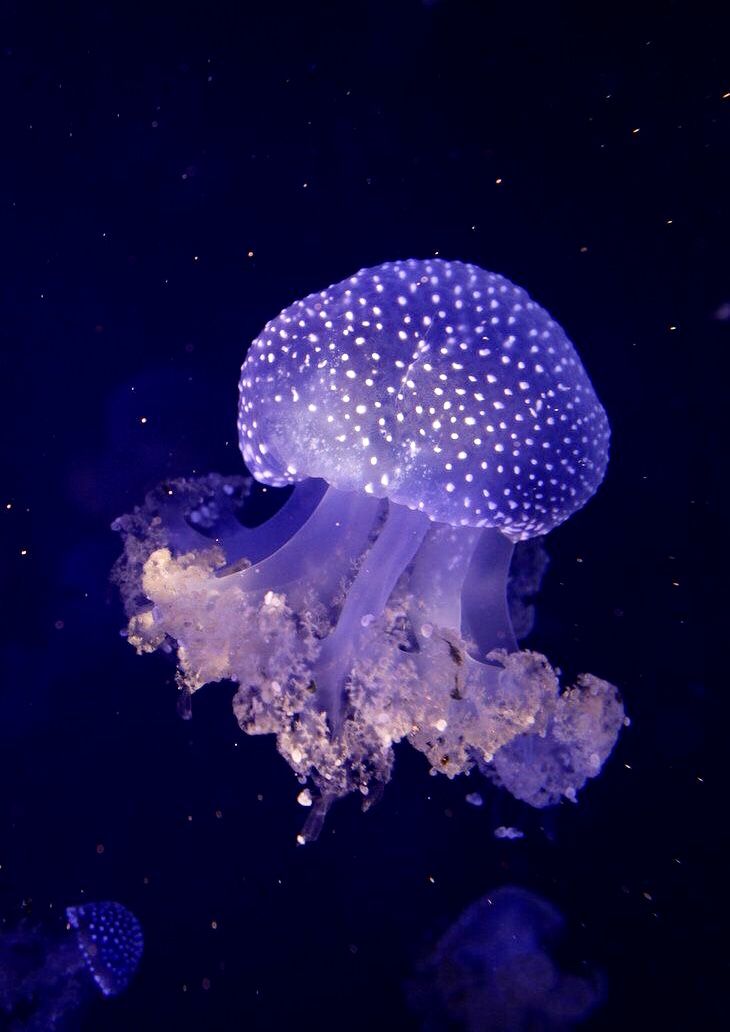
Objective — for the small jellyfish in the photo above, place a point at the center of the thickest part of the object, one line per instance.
(46, 977)
(506, 832)
(430, 416)
(110, 939)
(492, 971)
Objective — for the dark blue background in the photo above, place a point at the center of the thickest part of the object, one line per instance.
(169, 179)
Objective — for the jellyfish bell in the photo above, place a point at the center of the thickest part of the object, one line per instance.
(435, 384)
(496, 969)
(110, 940)
(429, 415)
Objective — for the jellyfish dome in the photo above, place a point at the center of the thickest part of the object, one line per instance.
(430, 416)
(437, 385)
(111, 943)
(494, 970)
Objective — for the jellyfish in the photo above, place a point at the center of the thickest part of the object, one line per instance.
(430, 417)
(47, 977)
(492, 971)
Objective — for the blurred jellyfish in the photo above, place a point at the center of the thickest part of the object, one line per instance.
(46, 978)
(431, 416)
(492, 971)
(506, 832)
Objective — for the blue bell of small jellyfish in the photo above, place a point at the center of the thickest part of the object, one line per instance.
(48, 976)
(110, 939)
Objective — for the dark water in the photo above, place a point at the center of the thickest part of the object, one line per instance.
(169, 180)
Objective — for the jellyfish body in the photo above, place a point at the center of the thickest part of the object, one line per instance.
(111, 942)
(430, 416)
(47, 977)
(492, 970)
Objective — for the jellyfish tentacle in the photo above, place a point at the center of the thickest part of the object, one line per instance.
(200, 513)
(485, 615)
(273, 627)
(336, 529)
(437, 577)
(312, 827)
(397, 543)
(188, 507)
(257, 543)
(458, 584)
